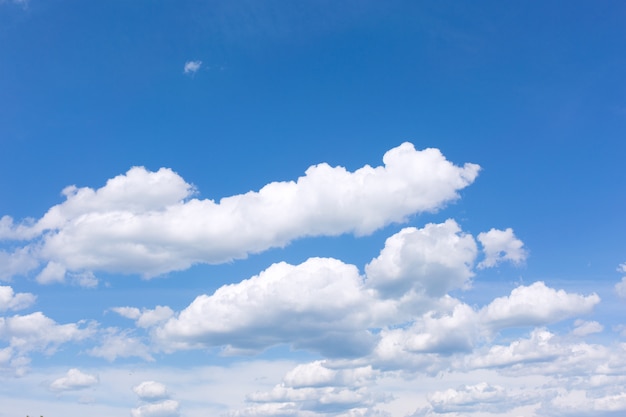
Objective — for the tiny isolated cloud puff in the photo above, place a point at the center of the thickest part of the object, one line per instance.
(191, 67)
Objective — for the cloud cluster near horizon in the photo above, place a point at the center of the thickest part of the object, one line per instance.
(397, 317)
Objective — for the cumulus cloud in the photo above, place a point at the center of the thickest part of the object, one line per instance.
(167, 408)
(148, 223)
(468, 398)
(322, 373)
(151, 391)
(318, 304)
(191, 67)
(536, 305)
(434, 260)
(537, 347)
(316, 389)
(36, 332)
(326, 306)
(74, 380)
(500, 246)
(434, 332)
(9, 300)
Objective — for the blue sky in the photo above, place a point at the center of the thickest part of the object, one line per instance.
(330, 208)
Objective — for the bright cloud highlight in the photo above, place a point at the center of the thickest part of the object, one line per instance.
(148, 223)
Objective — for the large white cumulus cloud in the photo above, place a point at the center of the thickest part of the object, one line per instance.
(435, 260)
(395, 314)
(148, 223)
(320, 303)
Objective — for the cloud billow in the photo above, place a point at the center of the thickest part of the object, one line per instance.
(149, 223)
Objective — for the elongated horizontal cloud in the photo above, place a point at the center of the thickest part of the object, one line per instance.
(326, 305)
(167, 408)
(37, 332)
(74, 380)
(481, 397)
(315, 389)
(536, 305)
(151, 391)
(148, 223)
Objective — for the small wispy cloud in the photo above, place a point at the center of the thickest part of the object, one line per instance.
(191, 67)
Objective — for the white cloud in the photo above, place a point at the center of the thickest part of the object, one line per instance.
(319, 304)
(74, 380)
(536, 305)
(620, 288)
(9, 300)
(584, 328)
(18, 262)
(148, 223)
(499, 246)
(322, 373)
(155, 316)
(167, 408)
(36, 332)
(315, 389)
(120, 344)
(84, 279)
(578, 403)
(151, 391)
(191, 67)
(537, 347)
(467, 398)
(147, 317)
(53, 272)
(434, 260)
(128, 312)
